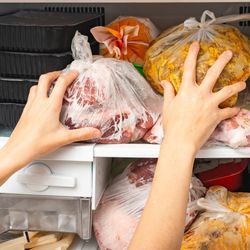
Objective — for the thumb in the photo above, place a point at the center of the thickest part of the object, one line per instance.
(83, 134)
(169, 92)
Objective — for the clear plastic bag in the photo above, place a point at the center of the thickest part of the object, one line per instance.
(124, 200)
(234, 132)
(126, 38)
(110, 95)
(224, 224)
(164, 60)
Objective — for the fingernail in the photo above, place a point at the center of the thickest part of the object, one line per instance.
(75, 72)
(163, 83)
(97, 134)
(228, 53)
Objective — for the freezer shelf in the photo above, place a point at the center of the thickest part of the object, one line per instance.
(127, 1)
(152, 151)
(87, 152)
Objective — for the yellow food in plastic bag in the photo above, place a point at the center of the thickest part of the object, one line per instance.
(225, 224)
(165, 58)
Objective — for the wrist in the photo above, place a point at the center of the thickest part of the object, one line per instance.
(180, 145)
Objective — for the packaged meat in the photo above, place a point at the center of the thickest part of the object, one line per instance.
(110, 95)
(126, 38)
(234, 132)
(228, 174)
(124, 201)
(224, 224)
(155, 134)
(164, 60)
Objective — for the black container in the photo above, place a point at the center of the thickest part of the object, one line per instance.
(31, 65)
(44, 31)
(10, 114)
(15, 90)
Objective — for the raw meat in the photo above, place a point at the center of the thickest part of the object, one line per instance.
(155, 134)
(234, 132)
(124, 200)
(110, 95)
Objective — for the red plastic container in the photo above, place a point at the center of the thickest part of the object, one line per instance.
(228, 175)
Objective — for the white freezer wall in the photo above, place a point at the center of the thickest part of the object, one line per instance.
(162, 14)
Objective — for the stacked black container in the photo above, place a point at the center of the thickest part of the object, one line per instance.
(33, 43)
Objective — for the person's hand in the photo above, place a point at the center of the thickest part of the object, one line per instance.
(39, 130)
(191, 116)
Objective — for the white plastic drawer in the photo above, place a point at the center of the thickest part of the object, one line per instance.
(58, 178)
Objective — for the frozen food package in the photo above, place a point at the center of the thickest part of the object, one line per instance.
(110, 95)
(223, 224)
(165, 58)
(234, 132)
(124, 201)
(126, 38)
(155, 134)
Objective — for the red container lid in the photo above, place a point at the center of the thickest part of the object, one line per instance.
(228, 175)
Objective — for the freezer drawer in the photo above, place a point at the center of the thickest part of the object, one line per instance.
(43, 213)
(52, 178)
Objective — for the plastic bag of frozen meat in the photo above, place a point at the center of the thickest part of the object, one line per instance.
(234, 132)
(123, 202)
(110, 95)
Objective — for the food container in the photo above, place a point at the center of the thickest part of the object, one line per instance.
(15, 90)
(228, 175)
(10, 114)
(42, 31)
(31, 65)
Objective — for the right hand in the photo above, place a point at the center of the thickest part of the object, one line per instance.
(191, 116)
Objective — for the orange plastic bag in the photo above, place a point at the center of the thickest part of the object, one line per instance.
(126, 38)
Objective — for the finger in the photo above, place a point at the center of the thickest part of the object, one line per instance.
(227, 113)
(62, 84)
(32, 94)
(229, 91)
(169, 92)
(83, 134)
(45, 81)
(214, 72)
(189, 73)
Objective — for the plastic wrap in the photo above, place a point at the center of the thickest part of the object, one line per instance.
(164, 60)
(126, 38)
(224, 224)
(110, 95)
(124, 200)
(234, 132)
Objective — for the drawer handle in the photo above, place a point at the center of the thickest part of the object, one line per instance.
(48, 180)
(38, 177)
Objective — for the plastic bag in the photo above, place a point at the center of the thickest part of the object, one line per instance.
(234, 132)
(109, 95)
(165, 58)
(126, 38)
(155, 134)
(225, 223)
(124, 200)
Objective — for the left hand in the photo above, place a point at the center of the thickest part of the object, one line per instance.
(39, 130)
